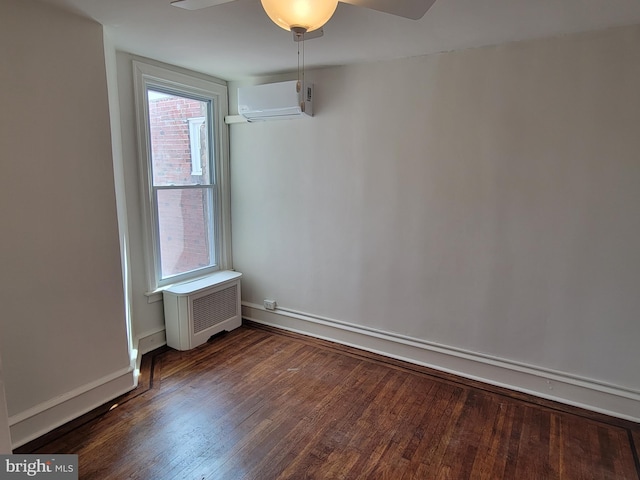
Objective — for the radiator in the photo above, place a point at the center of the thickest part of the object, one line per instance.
(194, 311)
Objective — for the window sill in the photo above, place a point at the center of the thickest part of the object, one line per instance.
(155, 296)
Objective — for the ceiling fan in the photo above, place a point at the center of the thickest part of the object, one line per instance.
(305, 18)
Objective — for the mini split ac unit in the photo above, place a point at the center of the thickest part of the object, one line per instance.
(194, 311)
(275, 101)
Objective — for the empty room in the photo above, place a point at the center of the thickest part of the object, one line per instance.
(313, 239)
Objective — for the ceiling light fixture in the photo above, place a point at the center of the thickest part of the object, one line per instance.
(300, 16)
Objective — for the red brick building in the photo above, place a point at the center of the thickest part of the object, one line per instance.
(178, 128)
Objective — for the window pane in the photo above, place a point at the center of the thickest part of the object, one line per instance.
(179, 134)
(185, 230)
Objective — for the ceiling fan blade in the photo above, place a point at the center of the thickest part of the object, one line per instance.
(198, 4)
(309, 35)
(413, 9)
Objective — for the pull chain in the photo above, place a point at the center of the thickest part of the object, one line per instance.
(302, 102)
(299, 33)
(298, 86)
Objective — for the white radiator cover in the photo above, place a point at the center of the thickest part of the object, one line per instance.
(193, 311)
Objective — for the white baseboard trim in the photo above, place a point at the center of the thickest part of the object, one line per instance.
(151, 340)
(562, 387)
(40, 419)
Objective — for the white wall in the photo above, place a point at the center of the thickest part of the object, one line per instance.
(485, 201)
(63, 332)
(146, 318)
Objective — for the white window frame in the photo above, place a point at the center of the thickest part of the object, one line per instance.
(195, 143)
(146, 77)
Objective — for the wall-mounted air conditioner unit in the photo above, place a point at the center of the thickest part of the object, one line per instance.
(275, 101)
(194, 311)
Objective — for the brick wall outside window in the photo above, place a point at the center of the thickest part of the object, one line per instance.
(184, 236)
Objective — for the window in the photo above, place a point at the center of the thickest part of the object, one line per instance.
(184, 163)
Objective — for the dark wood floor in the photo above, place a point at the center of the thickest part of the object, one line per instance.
(259, 403)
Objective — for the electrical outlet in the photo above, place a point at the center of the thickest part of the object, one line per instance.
(270, 304)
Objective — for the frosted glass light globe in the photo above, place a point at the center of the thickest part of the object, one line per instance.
(307, 14)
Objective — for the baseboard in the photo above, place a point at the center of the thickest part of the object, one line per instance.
(151, 340)
(36, 421)
(562, 387)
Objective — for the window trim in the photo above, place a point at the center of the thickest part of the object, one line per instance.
(152, 76)
(196, 144)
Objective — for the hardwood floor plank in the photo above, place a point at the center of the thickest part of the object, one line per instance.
(438, 424)
(490, 455)
(263, 404)
(634, 441)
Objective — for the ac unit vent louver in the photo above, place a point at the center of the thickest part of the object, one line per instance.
(194, 311)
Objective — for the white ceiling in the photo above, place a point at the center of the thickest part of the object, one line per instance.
(237, 40)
